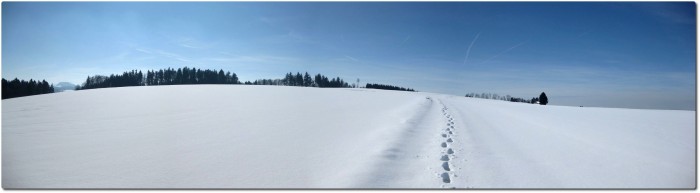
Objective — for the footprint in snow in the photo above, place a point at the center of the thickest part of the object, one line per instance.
(446, 166)
(449, 140)
(443, 144)
(449, 151)
(444, 135)
(445, 177)
(445, 158)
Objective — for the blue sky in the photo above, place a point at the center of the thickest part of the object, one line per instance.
(631, 55)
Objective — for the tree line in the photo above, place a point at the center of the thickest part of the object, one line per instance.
(132, 78)
(167, 76)
(20, 88)
(387, 87)
(319, 80)
(305, 80)
(171, 76)
(277, 82)
(542, 99)
(190, 76)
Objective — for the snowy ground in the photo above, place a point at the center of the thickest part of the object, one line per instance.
(238, 136)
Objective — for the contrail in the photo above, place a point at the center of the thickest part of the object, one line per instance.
(505, 51)
(470, 48)
(352, 58)
(407, 38)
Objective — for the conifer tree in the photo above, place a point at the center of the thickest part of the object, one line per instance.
(543, 99)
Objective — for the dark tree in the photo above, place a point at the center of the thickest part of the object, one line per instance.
(179, 77)
(5, 89)
(287, 80)
(307, 80)
(543, 99)
(298, 80)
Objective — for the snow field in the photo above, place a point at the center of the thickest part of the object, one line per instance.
(239, 136)
(512, 145)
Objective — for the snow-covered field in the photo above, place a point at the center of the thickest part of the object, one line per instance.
(238, 136)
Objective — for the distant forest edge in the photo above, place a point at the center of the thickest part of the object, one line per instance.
(20, 88)
(160, 77)
(388, 87)
(542, 99)
(305, 80)
(171, 76)
(186, 75)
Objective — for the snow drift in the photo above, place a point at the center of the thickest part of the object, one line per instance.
(239, 136)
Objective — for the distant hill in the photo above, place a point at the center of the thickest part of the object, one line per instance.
(63, 86)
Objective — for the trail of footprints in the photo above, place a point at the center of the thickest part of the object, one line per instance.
(447, 152)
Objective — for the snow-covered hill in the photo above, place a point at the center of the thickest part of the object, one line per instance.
(238, 136)
(64, 86)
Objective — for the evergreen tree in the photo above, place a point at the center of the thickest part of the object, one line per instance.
(298, 80)
(234, 79)
(149, 78)
(307, 80)
(5, 89)
(221, 77)
(193, 76)
(179, 77)
(543, 99)
(200, 76)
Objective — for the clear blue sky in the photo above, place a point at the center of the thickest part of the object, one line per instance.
(634, 55)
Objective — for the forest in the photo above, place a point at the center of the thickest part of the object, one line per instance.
(305, 80)
(387, 87)
(187, 75)
(20, 88)
(542, 99)
(167, 76)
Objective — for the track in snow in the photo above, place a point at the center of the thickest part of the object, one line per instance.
(447, 151)
(408, 159)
